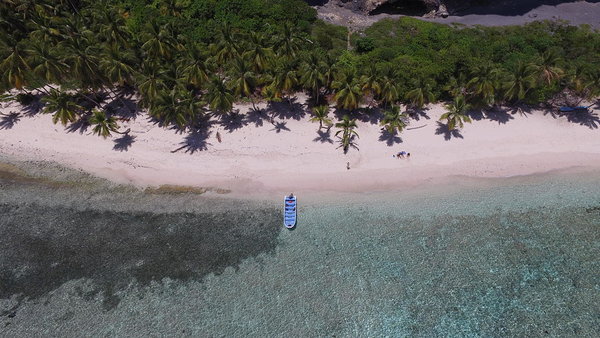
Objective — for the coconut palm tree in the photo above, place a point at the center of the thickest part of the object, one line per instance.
(421, 94)
(519, 81)
(389, 91)
(243, 79)
(347, 131)
(484, 83)
(62, 106)
(112, 26)
(116, 64)
(151, 83)
(284, 77)
(348, 93)
(103, 125)
(14, 67)
(548, 67)
(321, 115)
(226, 48)
(456, 115)
(311, 75)
(394, 121)
(47, 65)
(287, 42)
(259, 53)
(219, 97)
(158, 41)
(370, 83)
(168, 109)
(194, 67)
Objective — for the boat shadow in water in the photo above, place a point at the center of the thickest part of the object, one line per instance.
(45, 247)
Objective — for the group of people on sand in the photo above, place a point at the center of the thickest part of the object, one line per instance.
(402, 154)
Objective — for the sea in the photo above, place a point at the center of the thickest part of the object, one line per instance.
(454, 257)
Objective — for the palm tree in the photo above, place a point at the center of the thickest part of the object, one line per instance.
(258, 53)
(456, 115)
(519, 81)
(288, 42)
(421, 94)
(484, 82)
(158, 41)
(548, 67)
(194, 67)
(116, 63)
(348, 92)
(168, 109)
(394, 121)
(321, 115)
(285, 77)
(151, 83)
(112, 26)
(389, 90)
(14, 68)
(46, 64)
(82, 56)
(103, 125)
(347, 130)
(593, 84)
(311, 75)
(219, 97)
(226, 47)
(62, 106)
(243, 80)
(370, 83)
(576, 78)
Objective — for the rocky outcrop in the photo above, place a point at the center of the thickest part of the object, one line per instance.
(371, 6)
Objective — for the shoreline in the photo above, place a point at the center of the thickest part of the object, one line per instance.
(257, 158)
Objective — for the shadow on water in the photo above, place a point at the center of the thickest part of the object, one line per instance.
(114, 249)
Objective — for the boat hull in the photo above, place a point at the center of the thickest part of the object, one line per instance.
(290, 213)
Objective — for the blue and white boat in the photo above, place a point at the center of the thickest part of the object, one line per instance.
(289, 211)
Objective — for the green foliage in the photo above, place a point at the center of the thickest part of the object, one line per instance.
(364, 45)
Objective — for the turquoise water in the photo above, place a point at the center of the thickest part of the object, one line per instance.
(459, 257)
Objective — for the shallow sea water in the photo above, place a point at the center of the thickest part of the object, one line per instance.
(467, 257)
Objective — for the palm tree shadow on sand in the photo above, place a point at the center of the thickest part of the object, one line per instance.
(257, 117)
(324, 136)
(81, 125)
(390, 139)
(278, 127)
(287, 109)
(35, 107)
(196, 140)
(443, 129)
(8, 121)
(233, 121)
(123, 143)
(585, 118)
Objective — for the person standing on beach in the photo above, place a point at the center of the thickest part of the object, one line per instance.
(347, 165)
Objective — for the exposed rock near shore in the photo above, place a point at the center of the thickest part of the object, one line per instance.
(357, 14)
(441, 8)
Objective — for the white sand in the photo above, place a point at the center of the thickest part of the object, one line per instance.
(261, 160)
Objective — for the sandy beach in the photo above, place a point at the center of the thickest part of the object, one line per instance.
(256, 156)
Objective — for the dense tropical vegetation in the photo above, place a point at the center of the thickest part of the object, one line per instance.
(186, 61)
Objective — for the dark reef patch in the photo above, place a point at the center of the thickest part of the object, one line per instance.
(42, 247)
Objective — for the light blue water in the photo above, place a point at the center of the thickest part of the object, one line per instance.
(466, 257)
